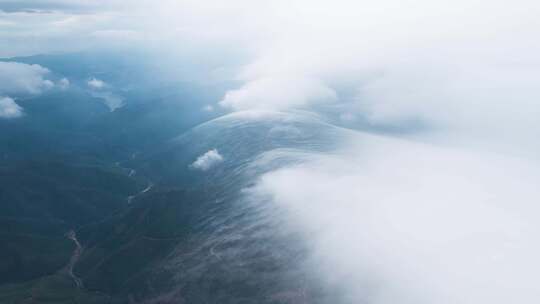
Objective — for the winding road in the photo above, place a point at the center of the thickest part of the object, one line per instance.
(72, 235)
(131, 197)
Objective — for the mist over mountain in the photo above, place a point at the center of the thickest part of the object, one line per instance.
(269, 152)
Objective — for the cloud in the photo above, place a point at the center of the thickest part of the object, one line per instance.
(9, 108)
(100, 89)
(47, 5)
(53, 30)
(96, 84)
(64, 84)
(21, 78)
(111, 100)
(208, 108)
(389, 63)
(207, 160)
(391, 221)
(277, 93)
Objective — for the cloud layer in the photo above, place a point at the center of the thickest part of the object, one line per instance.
(391, 221)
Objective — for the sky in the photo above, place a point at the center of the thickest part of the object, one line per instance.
(462, 67)
(446, 214)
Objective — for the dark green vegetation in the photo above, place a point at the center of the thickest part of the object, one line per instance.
(152, 229)
(55, 288)
(61, 170)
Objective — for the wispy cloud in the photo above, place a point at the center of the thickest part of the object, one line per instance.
(101, 89)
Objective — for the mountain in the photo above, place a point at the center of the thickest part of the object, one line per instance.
(107, 206)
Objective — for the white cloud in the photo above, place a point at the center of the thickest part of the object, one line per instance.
(9, 108)
(422, 224)
(96, 84)
(21, 78)
(407, 60)
(277, 93)
(207, 160)
(100, 89)
(390, 221)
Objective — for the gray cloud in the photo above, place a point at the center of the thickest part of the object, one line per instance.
(101, 89)
(37, 6)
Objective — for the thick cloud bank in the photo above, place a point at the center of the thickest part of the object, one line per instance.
(398, 222)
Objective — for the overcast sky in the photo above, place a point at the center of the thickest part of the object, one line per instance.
(460, 66)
